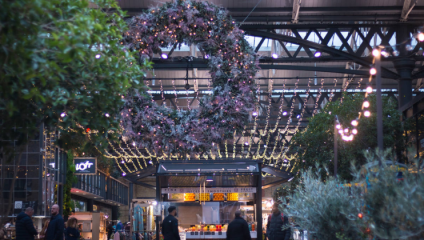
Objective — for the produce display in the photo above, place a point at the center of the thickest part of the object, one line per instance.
(205, 197)
(232, 196)
(189, 197)
(218, 197)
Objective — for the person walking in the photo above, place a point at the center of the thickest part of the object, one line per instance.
(170, 225)
(56, 225)
(71, 231)
(25, 229)
(44, 229)
(238, 228)
(109, 230)
(276, 223)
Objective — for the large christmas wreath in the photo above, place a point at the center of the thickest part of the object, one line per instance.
(233, 66)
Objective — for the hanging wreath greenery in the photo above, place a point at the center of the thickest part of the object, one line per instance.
(233, 65)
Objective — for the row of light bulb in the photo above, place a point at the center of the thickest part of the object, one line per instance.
(354, 123)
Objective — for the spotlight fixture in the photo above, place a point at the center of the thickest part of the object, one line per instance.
(366, 104)
(369, 89)
(354, 123)
(420, 37)
(164, 56)
(63, 114)
(375, 52)
(367, 113)
(255, 114)
(317, 54)
(285, 113)
(209, 179)
(274, 55)
(373, 71)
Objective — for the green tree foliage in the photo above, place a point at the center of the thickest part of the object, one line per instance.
(316, 143)
(325, 209)
(393, 206)
(378, 203)
(70, 179)
(63, 56)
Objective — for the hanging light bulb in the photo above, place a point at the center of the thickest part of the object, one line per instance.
(338, 126)
(367, 113)
(354, 131)
(366, 104)
(255, 114)
(376, 52)
(164, 56)
(274, 55)
(420, 37)
(317, 54)
(107, 115)
(354, 123)
(346, 130)
(63, 115)
(206, 56)
(341, 131)
(369, 89)
(373, 71)
(396, 53)
(246, 143)
(284, 113)
(384, 53)
(123, 174)
(98, 56)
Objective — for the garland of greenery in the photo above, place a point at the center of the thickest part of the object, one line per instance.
(233, 66)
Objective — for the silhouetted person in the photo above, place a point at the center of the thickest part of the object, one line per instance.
(238, 228)
(25, 229)
(56, 225)
(170, 225)
(275, 225)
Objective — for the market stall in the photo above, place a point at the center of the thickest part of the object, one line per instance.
(207, 195)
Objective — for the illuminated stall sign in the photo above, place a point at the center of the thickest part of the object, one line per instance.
(210, 190)
(85, 166)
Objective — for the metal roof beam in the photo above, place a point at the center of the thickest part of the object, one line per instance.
(408, 5)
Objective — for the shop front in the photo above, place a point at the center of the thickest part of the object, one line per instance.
(95, 199)
(207, 195)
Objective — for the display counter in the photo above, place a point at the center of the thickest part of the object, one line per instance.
(212, 235)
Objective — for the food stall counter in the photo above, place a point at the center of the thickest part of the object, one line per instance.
(213, 235)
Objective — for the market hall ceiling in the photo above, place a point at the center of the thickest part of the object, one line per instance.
(345, 32)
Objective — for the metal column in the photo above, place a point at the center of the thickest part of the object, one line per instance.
(259, 203)
(379, 103)
(159, 201)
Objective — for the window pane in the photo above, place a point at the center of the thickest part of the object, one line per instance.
(33, 159)
(34, 146)
(20, 184)
(32, 185)
(22, 171)
(32, 196)
(33, 172)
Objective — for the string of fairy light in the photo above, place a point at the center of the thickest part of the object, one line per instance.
(131, 159)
